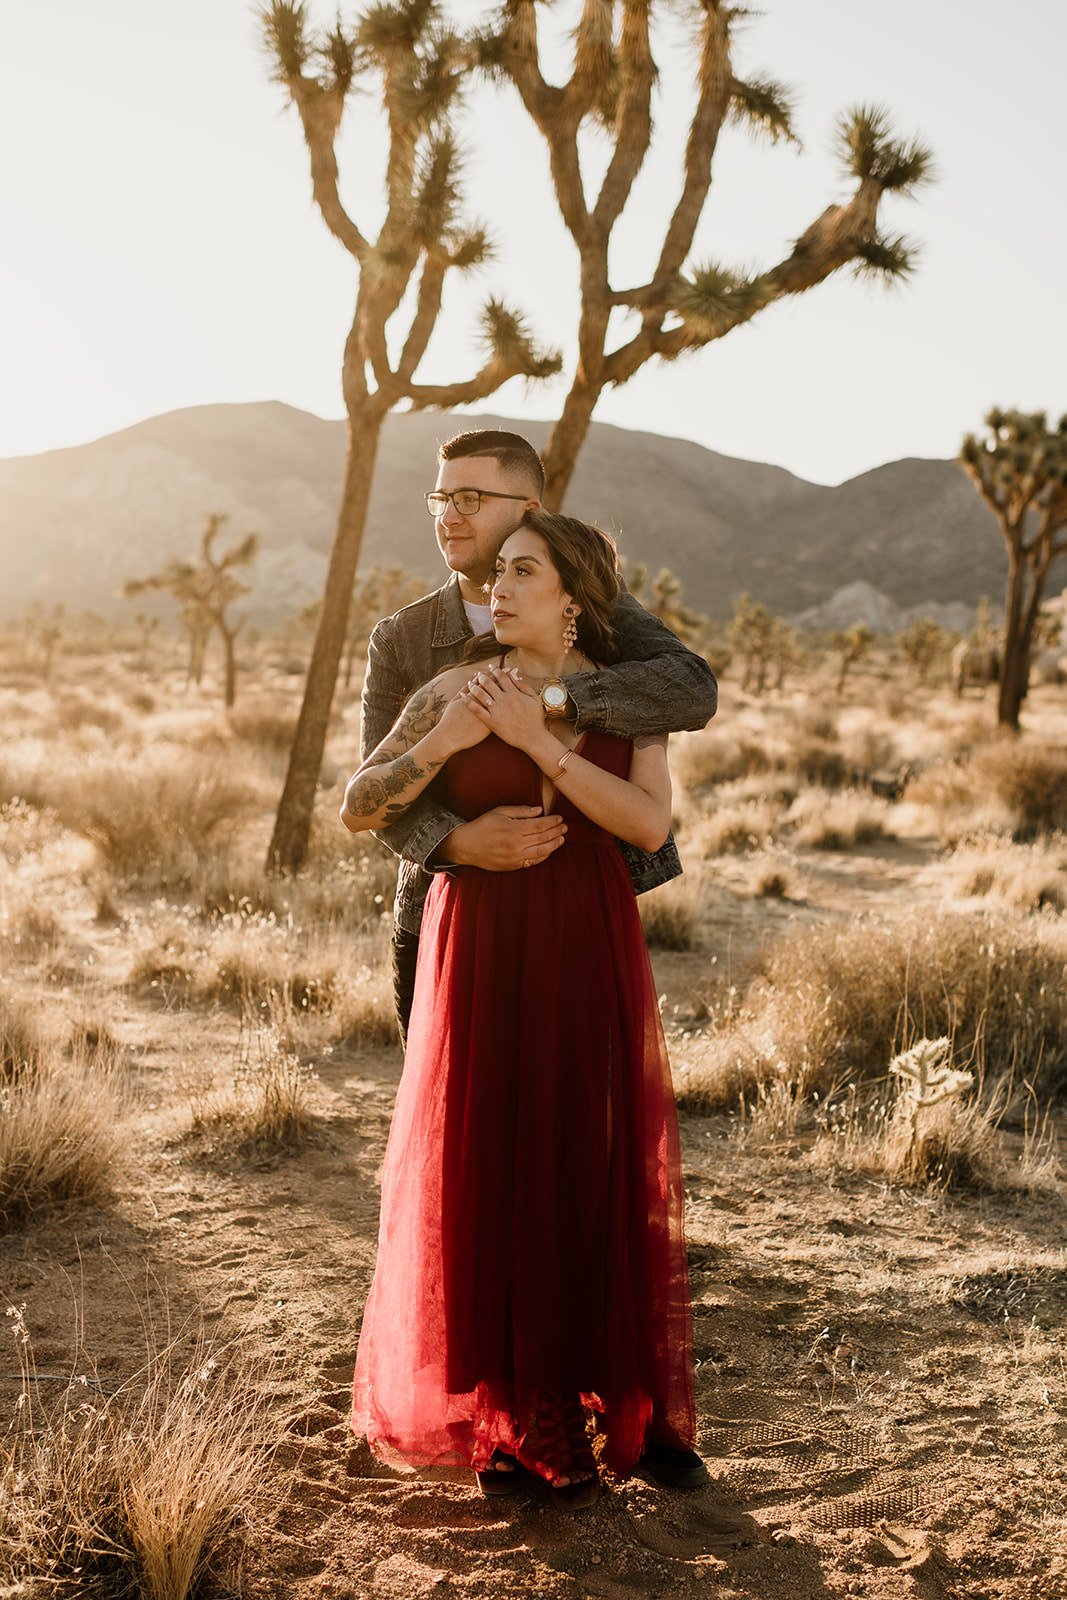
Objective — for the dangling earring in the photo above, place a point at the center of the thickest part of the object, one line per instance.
(570, 629)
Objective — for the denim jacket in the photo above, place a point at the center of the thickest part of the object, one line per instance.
(660, 687)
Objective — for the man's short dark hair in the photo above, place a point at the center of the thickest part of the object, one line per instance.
(510, 449)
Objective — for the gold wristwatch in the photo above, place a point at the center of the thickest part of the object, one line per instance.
(554, 697)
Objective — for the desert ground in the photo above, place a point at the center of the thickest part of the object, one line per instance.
(198, 1072)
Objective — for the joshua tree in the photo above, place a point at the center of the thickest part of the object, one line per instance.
(47, 628)
(664, 599)
(1019, 467)
(146, 627)
(400, 50)
(921, 643)
(204, 592)
(682, 306)
(752, 633)
(851, 646)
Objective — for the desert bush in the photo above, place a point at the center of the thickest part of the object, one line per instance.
(28, 927)
(58, 1136)
(147, 1491)
(838, 821)
(74, 710)
(22, 1042)
(264, 1102)
(817, 761)
(734, 829)
(1030, 779)
(264, 723)
(1029, 877)
(772, 881)
(715, 756)
(153, 818)
(669, 915)
(834, 1004)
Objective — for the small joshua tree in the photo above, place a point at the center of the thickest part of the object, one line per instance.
(204, 592)
(1019, 467)
(921, 643)
(851, 646)
(926, 1080)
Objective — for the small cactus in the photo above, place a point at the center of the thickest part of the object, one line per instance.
(926, 1080)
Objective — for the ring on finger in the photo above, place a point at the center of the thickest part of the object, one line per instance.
(527, 862)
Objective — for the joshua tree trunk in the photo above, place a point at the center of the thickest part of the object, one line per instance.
(292, 828)
(1020, 470)
(421, 69)
(566, 440)
(229, 643)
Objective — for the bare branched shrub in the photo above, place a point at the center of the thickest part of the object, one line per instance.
(59, 1137)
(838, 821)
(148, 1491)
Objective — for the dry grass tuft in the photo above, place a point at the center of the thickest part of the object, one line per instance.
(838, 821)
(1030, 877)
(59, 1139)
(772, 881)
(154, 819)
(21, 1040)
(669, 916)
(265, 1102)
(740, 827)
(148, 1491)
(1030, 779)
(262, 723)
(835, 1004)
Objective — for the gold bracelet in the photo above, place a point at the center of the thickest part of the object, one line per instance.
(564, 758)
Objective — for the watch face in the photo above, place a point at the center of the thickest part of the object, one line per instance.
(554, 696)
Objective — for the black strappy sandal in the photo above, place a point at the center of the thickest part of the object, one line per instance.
(497, 1479)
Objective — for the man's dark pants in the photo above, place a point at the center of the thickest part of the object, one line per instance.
(405, 960)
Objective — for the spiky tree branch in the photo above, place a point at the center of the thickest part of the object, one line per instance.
(417, 67)
(680, 309)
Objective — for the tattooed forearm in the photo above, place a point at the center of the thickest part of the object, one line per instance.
(370, 791)
(422, 712)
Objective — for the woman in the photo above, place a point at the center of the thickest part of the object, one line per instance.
(531, 1266)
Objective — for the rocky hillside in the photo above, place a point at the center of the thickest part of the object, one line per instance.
(74, 524)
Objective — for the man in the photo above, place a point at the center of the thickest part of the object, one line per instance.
(486, 482)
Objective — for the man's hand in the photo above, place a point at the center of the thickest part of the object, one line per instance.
(504, 839)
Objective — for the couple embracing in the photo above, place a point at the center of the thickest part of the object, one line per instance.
(531, 1290)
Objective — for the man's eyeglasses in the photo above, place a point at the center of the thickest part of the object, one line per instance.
(466, 501)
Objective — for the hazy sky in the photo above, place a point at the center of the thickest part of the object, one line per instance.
(161, 248)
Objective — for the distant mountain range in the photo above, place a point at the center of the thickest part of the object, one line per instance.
(75, 524)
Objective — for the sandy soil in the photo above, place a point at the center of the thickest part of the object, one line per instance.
(881, 1379)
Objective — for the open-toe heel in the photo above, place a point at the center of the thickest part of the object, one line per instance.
(557, 1448)
(498, 1479)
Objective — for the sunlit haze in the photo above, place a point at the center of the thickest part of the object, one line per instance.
(162, 248)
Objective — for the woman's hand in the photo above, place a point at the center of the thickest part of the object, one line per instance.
(459, 724)
(506, 706)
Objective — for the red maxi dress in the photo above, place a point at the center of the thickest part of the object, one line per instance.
(531, 1220)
